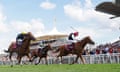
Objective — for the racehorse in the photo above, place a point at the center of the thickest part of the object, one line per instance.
(41, 53)
(77, 49)
(22, 50)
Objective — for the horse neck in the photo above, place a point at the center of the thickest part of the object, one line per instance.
(46, 49)
(26, 44)
(83, 43)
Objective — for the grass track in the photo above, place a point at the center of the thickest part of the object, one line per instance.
(62, 68)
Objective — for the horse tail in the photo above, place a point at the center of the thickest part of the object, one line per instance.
(7, 51)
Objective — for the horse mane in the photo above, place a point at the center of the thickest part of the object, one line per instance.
(87, 37)
(26, 43)
(83, 42)
(83, 39)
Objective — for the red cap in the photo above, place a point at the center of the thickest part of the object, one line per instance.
(76, 33)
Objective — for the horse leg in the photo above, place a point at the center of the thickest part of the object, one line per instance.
(19, 59)
(82, 59)
(46, 61)
(11, 59)
(61, 61)
(57, 58)
(33, 58)
(30, 60)
(38, 61)
(75, 60)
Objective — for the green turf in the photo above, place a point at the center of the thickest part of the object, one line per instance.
(62, 68)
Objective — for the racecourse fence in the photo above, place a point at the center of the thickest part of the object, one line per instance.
(89, 59)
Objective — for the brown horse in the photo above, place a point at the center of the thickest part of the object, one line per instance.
(41, 53)
(77, 49)
(22, 50)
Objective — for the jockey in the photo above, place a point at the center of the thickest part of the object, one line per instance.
(72, 38)
(41, 44)
(20, 37)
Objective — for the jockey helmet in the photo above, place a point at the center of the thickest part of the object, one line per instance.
(23, 32)
(76, 34)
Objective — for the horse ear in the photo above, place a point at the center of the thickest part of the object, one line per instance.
(88, 36)
(48, 44)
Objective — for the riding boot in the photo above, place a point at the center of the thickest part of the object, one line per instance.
(73, 46)
(39, 50)
(43, 51)
(70, 47)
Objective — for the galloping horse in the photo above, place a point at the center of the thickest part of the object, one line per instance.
(77, 49)
(41, 53)
(22, 50)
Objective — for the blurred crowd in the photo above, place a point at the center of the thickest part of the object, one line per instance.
(107, 48)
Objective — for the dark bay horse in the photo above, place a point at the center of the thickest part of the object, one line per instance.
(77, 49)
(41, 53)
(22, 50)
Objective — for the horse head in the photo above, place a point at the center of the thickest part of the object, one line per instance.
(89, 40)
(84, 41)
(26, 42)
(30, 36)
(48, 47)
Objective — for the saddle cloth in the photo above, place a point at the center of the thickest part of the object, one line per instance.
(14, 45)
(42, 51)
(70, 47)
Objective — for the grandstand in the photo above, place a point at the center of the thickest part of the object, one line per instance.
(54, 37)
(51, 37)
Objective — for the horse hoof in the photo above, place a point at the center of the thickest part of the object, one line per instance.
(17, 63)
(60, 63)
(11, 66)
(70, 64)
(36, 64)
(30, 60)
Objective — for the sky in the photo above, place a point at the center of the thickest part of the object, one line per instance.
(38, 16)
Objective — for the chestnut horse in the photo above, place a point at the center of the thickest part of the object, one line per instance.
(77, 49)
(41, 53)
(22, 50)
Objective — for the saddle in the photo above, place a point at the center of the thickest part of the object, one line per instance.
(19, 43)
(42, 51)
(70, 47)
(13, 45)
